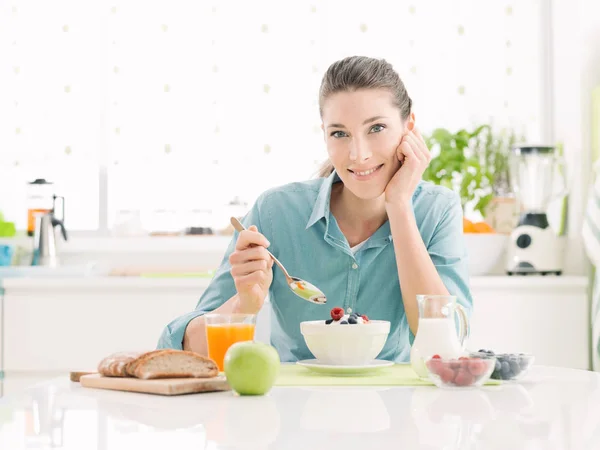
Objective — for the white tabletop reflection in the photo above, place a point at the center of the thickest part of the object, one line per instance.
(552, 409)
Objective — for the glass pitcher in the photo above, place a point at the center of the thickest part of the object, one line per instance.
(437, 330)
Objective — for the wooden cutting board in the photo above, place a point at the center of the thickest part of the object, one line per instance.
(166, 386)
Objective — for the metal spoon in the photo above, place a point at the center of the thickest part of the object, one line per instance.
(301, 288)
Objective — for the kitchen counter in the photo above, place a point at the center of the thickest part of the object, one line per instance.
(551, 408)
(52, 311)
(499, 282)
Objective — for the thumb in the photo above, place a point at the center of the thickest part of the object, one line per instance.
(253, 228)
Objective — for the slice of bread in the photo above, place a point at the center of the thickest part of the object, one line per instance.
(171, 363)
(115, 365)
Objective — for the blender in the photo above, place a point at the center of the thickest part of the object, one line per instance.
(534, 247)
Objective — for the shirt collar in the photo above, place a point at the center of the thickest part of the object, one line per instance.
(321, 210)
(321, 206)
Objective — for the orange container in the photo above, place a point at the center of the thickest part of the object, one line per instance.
(224, 330)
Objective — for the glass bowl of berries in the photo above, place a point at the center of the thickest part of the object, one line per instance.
(509, 366)
(463, 372)
(345, 338)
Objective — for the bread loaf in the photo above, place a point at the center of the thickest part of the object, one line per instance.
(115, 364)
(171, 363)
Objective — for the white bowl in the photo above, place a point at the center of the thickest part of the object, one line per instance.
(346, 345)
(486, 251)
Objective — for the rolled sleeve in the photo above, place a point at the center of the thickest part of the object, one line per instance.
(448, 252)
(220, 289)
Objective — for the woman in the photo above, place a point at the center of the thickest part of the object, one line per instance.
(369, 232)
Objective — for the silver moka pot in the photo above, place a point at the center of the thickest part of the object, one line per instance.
(44, 240)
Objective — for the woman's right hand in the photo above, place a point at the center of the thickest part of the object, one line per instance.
(251, 269)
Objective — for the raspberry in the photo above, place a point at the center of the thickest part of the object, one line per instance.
(455, 365)
(337, 313)
(365, 318)
(436, 357)
(477, 367)
(463, 378)
(447, 375)
(435, 366)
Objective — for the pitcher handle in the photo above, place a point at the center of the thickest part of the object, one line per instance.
(463, 324)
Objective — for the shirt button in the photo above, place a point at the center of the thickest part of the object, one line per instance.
(355, 266)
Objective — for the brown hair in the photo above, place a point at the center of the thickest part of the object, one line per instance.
(361, 72)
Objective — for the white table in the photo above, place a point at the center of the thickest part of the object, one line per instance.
(552, 409)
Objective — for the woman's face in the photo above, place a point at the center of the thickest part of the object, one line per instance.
(362, 131)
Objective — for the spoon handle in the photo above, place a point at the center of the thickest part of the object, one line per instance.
(239, 227)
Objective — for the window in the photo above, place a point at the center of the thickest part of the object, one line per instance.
(173, 109)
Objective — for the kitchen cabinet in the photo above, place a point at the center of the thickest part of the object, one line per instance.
(546, 316)
(67, 324)
(65, 329)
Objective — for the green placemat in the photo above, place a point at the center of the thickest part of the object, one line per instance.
(179, 275)
(396, 375)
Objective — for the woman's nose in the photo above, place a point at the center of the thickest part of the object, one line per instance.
(359, 150)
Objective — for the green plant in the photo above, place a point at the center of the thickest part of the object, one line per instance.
(7, 229)
(472, 163)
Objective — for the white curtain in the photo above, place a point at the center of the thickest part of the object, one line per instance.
(186, 104)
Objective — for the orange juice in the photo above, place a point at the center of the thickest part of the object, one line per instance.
(221, 336)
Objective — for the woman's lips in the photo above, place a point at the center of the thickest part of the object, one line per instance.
(365, 175)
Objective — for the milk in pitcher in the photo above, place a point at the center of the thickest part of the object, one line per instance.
(435, 336)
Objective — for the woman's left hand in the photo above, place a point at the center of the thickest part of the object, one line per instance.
(414, 157)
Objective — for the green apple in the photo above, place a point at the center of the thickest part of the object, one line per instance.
(251, 367)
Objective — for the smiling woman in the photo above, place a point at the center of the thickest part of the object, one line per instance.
(370, 233)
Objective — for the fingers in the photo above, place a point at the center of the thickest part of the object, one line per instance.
(414, 145)
(252, 279)
(249, 254)
(409, 154)
(250, 262)
(251, 237)
(250, 267)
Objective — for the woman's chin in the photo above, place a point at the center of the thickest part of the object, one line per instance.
(365, 191)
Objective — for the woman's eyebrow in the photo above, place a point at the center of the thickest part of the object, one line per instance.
(372, 119)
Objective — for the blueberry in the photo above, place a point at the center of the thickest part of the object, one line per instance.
(523, 361)
(352, 320)
(506, 369)
(328, 321)
(496, 376)
(343, 322)
(498, 367)
(514, 367)
(482, 350)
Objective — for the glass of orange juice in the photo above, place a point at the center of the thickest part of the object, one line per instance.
(224, 330)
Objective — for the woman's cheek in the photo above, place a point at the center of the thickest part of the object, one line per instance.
(387, 145)
(335, 148)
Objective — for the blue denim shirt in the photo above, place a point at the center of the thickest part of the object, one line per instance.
(305, 237)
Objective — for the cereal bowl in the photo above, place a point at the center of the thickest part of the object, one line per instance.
(350, 344)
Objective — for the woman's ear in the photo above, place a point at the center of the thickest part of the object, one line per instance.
(411, 122)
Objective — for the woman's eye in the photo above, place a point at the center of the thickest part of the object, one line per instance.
(338, 134)
(377, 128)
